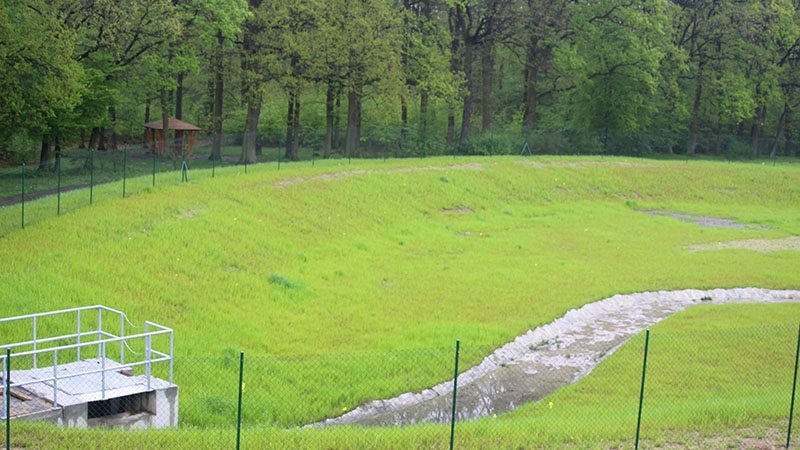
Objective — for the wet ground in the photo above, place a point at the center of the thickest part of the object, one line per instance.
(704, 221)
(540, 361)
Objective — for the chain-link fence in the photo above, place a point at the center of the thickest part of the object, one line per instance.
(714, 388)
(78, 177)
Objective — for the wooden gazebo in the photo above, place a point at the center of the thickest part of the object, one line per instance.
(155, 133)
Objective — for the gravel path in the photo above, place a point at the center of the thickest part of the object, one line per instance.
(540, 361)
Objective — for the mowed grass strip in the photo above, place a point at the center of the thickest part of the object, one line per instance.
(329, 274)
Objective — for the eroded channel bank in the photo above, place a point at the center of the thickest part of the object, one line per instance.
(540, 361)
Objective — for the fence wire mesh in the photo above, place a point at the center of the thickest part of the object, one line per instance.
(709, 388)
(79, 177)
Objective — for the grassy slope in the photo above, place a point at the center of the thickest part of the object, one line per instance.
(371, 264)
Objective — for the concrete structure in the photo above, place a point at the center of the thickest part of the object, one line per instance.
(86, 380)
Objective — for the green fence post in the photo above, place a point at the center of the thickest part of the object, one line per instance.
(239, 410)
(213, 166)
(794, 389)
(7, 397)
(58, 186)
(91, 176)
(455, 389)
(22, 199)
(155, 155)
(641, 391)
(124, 169)
(245, 165)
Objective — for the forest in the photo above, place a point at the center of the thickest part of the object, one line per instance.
(341, 76)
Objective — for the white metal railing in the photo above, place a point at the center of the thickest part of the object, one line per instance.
(97, 337)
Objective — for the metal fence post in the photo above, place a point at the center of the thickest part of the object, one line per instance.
(7, 396)
(641, 391)
(245, 165)
(794, 389)
(455, 390)
(213, 165)
(23, 195)
(91, 176)
(124, 169)
(155, 155)
(58, 186)
(239, 407)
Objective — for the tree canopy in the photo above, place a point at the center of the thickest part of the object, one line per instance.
(675, 77)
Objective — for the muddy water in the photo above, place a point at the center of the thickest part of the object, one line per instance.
(540, 361)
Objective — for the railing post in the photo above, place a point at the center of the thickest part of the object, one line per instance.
(22, 199)
(99, 329)
(213, 165)
(455, 390)
(122, 335)
(79, 335)
(641, 391)
(794, 389)
(239, 408)
(55, 378)
(147, 344)
(171, 354)
(34, 344)
(103, 371)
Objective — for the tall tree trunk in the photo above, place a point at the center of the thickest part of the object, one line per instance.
(166, 149)
(112, 113)
(779, 133)
(44, 154)
(216, 146)
(250, 143)
(179, 96)
(101, 139)
(451, 128)
(456, 25)
(94, 137)
(695, 120)
(287, 147)
(529, 99)
(293, 128)
(487, 81)
(755, 130)
(423, 116)
(353, 123)
(337, 125)
(329, 105)
(469, 100)
(403, 118)
(145, 143)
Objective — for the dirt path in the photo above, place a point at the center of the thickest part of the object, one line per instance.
(540, 361)
(15, 199)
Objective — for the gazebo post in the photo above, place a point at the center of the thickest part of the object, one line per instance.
(190, 143)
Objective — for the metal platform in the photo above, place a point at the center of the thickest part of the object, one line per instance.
(89, 391)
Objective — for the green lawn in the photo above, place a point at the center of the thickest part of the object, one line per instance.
(346, 288)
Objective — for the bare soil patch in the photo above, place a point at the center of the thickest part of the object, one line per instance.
(704, 221)
(757, 245)
(458, 210)
(357, 172)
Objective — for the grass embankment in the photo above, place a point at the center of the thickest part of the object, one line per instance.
(392, 263)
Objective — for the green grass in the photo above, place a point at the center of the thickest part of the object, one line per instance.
(345, 290)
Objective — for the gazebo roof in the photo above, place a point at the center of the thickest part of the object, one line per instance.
(173, 124)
